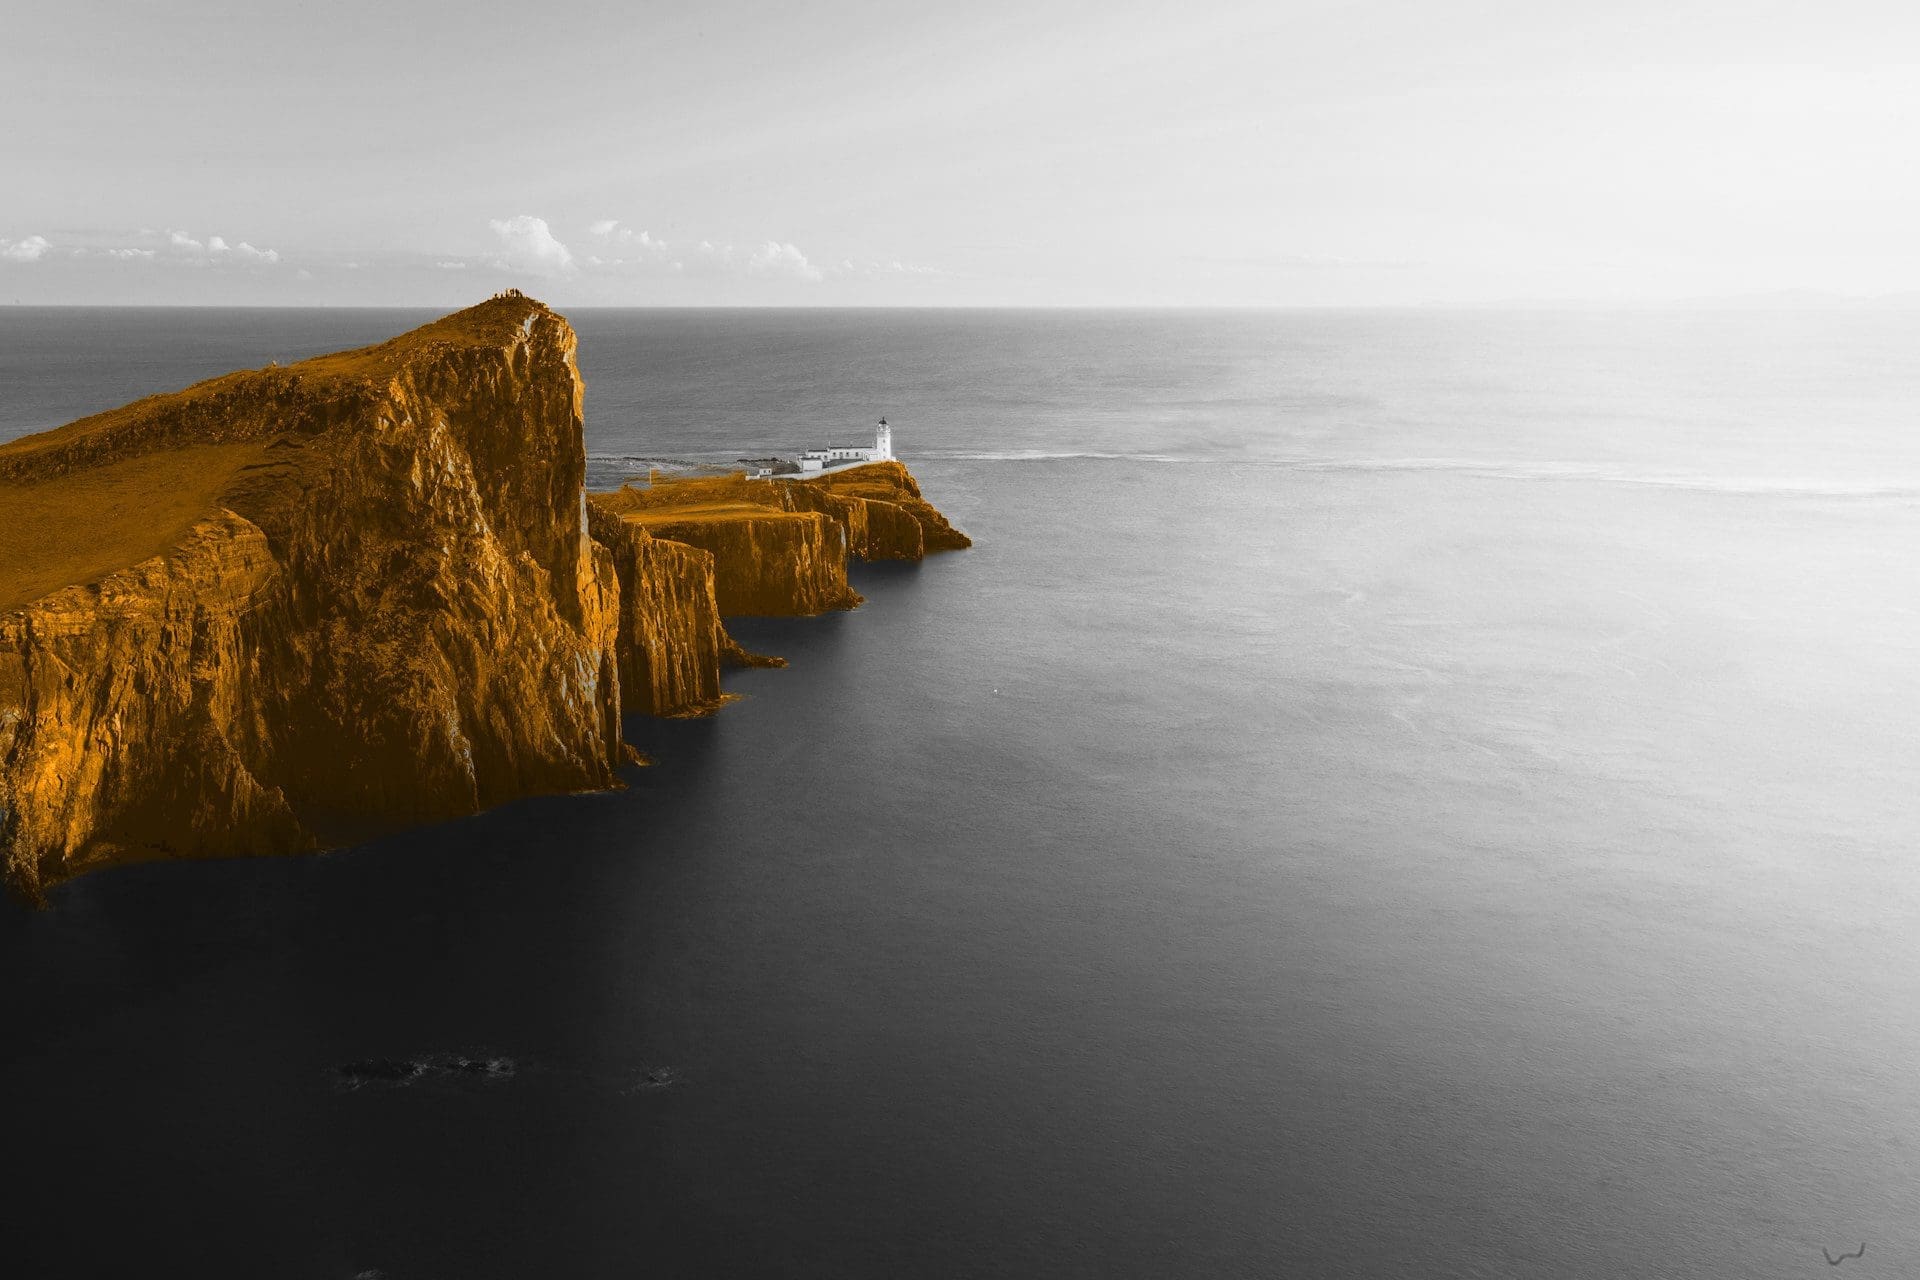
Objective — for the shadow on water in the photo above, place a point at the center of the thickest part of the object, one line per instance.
(682, 749)
(133, 935)
(884, 574)
(886, 585)
(371, 926)
(455, 991)
(801, 641)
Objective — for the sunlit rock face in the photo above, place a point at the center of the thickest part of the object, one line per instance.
(896, 513)
(292, 607)
(769, 563)
(780, 547)
(672, 644)
(378, 603)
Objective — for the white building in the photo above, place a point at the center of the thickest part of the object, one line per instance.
(814, 461)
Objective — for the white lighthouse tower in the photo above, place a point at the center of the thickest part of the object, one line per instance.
(883, 442)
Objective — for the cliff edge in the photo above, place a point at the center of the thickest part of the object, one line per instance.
(292, 607)
(780, 546)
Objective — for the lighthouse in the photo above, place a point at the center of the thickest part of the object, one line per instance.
(883, 442)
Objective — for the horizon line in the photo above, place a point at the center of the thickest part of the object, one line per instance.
(1754, 302)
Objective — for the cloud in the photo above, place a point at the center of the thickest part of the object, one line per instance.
(451, 266)
(530, 246)
(171, 248)
(626, 251)
(643, 247)
(32, 249)
(776, 259)
(214, 249)
(894, 267)
(1304, 262)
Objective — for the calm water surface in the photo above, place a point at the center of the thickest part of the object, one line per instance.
(1387, 794)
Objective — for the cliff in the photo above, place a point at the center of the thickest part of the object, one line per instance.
(375, 603)
(291, 607)
(891, 496)
(766, 562)
(780, 546)
(672, 644)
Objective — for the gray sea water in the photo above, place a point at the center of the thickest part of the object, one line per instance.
(1388, 794)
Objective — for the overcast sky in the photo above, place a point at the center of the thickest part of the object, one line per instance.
(421, 152)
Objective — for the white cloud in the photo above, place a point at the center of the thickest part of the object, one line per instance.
(530, 246)
(130, 253)
(625, 248)
(894, 267)
(32, 249)
(215, 249)
(776, 259)
(451, 266)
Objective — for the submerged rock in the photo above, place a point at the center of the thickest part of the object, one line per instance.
(658, 1078)
(385, 1070)
(398, 1071)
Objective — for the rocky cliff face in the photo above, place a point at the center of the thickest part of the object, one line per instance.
(291, 607)
(672, 644)
(393, 612)
(780, 546)
(892, 495)
(769, 563)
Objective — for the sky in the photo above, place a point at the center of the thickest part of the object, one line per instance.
(1042, 153)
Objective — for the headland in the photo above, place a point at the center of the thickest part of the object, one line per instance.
(293, 607)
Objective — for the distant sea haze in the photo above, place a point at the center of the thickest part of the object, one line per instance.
(1394, 793)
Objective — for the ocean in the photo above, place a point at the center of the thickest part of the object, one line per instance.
(1387, 794)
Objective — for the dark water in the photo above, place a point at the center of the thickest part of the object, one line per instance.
(1439, 800)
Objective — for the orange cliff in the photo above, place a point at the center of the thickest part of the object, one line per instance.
(780, 546)
(672, 644)
(290, 607)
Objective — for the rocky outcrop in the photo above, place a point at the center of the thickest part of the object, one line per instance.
(392, 613)
(291, 607)
(128, 722)
(874, 530)
(771, 553)
(672, 644)
(891, 486)
(768, 561)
